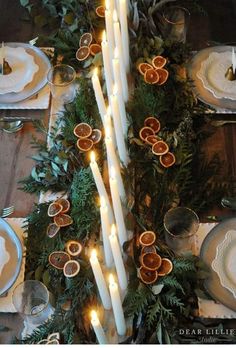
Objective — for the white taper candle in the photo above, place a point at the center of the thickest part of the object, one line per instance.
(100, 280)
(118, 211)
(98, 329)
(100, 184)
(98, 94)
(105, 224)
(117, 256)
(107, 64)
(117, 306)
(124, 32)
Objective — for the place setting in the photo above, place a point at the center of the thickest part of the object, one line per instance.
(24, 93)
(213, 71)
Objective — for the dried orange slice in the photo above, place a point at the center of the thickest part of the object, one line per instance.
(52, 230)
(54, 209)
(143, 67)
(147, 276)
(150, 261)
(84, 144)
(100, 11)
(82, 53)
(95, 48)
(82, 130)
(160, 148)
(96, 136)
(167, 160)
(153, 123)
(63, 220)
(165, 268)
(85, 39)
(147, 238)
(159, 62)
(58, 259)
(148, 249)
(73, 247)
(71, 268)
(163, 76)
(151, 76)
(145, 132)
(152, 139)
(65, 205)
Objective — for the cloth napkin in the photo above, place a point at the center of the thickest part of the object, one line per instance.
(6, 304)
(210, 308)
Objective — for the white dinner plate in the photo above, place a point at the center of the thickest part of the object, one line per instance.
(212, 74)
(23, 69)
(40, 77)
(224, 263)
(11, 269)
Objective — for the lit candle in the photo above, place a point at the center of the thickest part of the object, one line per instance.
(117, 256)
(109, 26)
(119, 129)
(98, 94)
(118, 43)
(107, 64)
(100, 184)
(124, 32)
(97, 327)
(105, 232)
(113, 162)
(117, 306)
(116, 201)
(233, 60)
(100, 280)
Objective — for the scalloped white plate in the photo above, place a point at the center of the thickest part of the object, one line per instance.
(224, 263)
(212, 75)
(23, 70)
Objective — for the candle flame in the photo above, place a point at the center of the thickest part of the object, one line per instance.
(103, 202)
(111, 279)
(92, 156)
(94, 254)
(113, 173)
(116, 53)
(104, 36)
(113, 230)
(94, 316)
(115, 17)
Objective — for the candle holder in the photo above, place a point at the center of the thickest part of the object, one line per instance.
(230, 74)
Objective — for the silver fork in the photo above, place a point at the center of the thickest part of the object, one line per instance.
(7, 211)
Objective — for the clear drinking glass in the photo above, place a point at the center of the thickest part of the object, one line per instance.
(175, 21)
(181, 225)
(61, 79)
(31, 300)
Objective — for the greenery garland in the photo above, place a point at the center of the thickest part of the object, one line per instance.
(156, 314)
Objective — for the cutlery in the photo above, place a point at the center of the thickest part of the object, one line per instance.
(7, 211)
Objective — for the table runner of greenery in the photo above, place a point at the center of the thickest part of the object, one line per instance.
(158, 311)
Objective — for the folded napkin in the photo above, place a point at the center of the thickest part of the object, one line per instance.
(6, 304)
(210, 308)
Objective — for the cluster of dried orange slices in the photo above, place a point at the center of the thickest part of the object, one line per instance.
(57, 210)
(87, 137)
(154, 73)
(152, 264)
(148, 134)
(87, 47)
(63, 260)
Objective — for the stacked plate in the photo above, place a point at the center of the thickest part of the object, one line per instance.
(207, 69)
(29, 73)
(218, 252)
